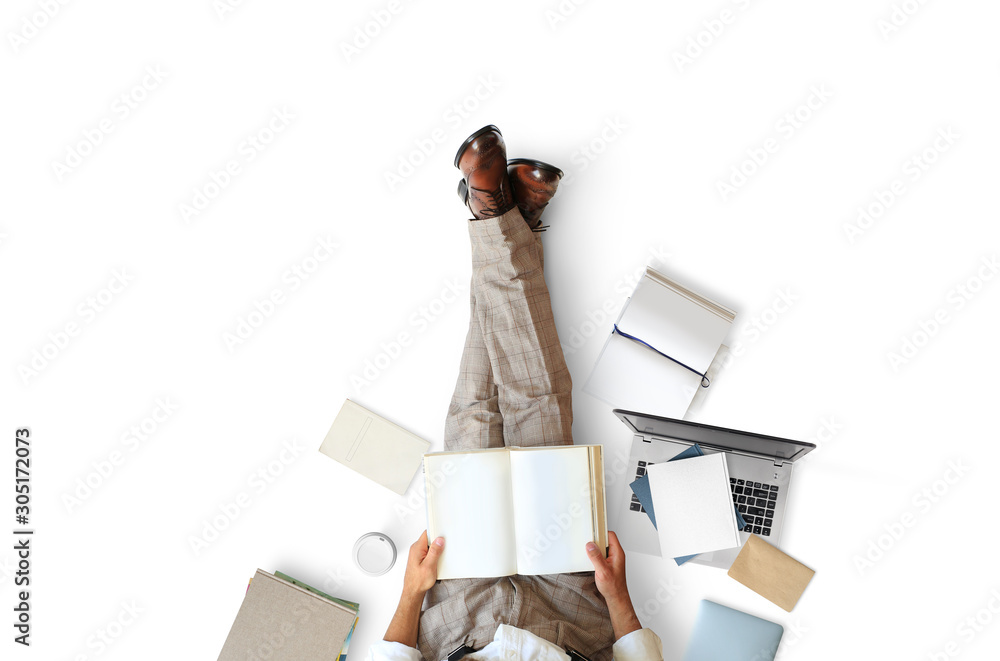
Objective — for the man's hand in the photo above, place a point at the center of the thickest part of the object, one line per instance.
(421, 566)
(609, 574)
(421, 573)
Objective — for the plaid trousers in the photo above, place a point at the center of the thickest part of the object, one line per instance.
(513, 389)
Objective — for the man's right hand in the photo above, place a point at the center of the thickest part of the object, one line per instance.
(609, 573)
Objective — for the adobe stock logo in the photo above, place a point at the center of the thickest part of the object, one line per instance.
(562, 12)
(591, 150)
(426, 146)
(230, 510)
(267, 305)
(711, 30)
(923, 502)
(599, 320)
(911, 171)
(898, 18)
(419, 321)
(105, 467)
(218, 180)
(103, 638)
(955, 300)
(123, 107)
(224, 7)
(970, 628)
(370, 30)
(32, 24)
(57, 342)
(785, 129)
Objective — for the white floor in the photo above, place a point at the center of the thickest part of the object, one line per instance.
(219, 217)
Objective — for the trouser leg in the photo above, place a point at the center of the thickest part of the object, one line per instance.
(474, 419)
(519, 333)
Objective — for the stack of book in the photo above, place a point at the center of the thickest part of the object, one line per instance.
(283, 619)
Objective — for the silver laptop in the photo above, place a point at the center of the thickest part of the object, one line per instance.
(760, 474)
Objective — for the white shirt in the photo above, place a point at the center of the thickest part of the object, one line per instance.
(513, 644)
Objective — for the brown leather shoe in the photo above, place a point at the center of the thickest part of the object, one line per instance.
(534, 184)
(482, 159)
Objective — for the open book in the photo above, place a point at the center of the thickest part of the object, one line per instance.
(505, 511)
(661, 317)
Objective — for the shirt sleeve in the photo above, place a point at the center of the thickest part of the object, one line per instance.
(385, 650)
(641, 645)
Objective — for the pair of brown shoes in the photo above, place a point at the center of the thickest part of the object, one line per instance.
(492, 185)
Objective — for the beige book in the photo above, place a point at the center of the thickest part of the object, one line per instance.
(280, 621)
(506, 511)
(370, 445)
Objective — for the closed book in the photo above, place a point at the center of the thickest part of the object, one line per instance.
(281, 621)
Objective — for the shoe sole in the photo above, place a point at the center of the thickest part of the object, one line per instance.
(541, 165)
(471, 138)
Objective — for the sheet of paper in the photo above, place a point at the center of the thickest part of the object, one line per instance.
(630, 376)
(771, 573)
(469, 504)
(694, 506)
(553, 520)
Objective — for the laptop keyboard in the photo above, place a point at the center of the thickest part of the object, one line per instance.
(635, 505)
(754, 500)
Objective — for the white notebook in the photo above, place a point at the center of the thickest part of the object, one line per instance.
(677, 322)
(693, 505)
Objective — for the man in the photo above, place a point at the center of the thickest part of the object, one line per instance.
(513, 389)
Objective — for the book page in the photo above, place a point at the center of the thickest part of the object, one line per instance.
(677, 326)
(469, 504)
(630, 376)
(553, 514)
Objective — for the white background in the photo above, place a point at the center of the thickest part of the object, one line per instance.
(644, 139)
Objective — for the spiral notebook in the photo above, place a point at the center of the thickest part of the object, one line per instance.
(658, 354)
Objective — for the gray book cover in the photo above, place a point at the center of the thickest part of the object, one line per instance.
(280, 621)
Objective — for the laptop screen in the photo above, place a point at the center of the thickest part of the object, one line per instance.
(715, 437)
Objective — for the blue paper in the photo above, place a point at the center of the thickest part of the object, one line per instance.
(641, 490)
